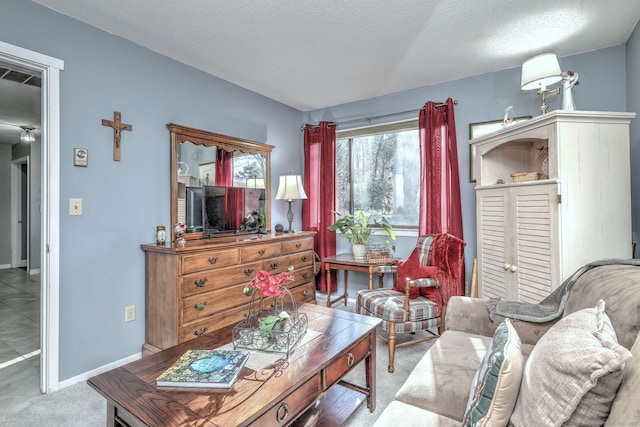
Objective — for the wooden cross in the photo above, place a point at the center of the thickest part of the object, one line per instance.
(118, 127)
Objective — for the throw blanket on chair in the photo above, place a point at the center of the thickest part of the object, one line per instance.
(553, 305)
(447, 253)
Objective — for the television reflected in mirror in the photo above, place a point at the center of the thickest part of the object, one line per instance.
(217, 209)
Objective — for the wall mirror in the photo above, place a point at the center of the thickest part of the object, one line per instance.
(219, 183)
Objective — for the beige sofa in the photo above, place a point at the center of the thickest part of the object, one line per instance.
(437, 391)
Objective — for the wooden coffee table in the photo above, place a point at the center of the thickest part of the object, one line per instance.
(308, 384)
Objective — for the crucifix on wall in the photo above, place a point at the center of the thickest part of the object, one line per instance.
(118, 127)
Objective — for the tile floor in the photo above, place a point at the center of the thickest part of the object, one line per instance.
(19, 335)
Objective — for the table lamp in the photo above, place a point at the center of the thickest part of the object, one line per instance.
(538, 73)
(290, 189)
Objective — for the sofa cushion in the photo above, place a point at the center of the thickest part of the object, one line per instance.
(573, 373)
(495, 386)
(398, 413)
(625, 410)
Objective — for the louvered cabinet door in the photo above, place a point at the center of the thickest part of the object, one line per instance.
(493, 280)
(535, 262)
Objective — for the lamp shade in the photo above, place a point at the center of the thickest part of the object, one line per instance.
(255, 183)
(540, 71)
(290, 188)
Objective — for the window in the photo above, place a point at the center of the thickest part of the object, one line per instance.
(378, 171)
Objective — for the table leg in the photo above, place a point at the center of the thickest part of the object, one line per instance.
(370, 373)
(327, 268)
(346, 281)
(380, 280)
(370, 278)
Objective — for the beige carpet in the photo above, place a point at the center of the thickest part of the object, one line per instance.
(79, 405)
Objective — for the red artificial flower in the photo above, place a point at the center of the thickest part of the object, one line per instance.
(271, 286)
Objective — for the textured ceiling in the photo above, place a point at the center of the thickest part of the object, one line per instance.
(311, 55)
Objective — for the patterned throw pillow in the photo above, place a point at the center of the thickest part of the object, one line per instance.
(573, 373)
(495, 386)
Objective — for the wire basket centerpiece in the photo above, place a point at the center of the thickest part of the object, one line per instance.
(273, 322)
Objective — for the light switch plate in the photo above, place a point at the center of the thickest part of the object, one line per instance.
(75, 206)
(80, 157)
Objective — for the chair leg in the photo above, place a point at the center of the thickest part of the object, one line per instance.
(392, 346)
(443, 314)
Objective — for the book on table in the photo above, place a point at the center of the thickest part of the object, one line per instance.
(205, 368)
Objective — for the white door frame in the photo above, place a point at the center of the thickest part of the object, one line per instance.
(16, 211)
(49, 68)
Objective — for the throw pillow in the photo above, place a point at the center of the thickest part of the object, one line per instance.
(413, 269)
(495, 386)
(573, 373)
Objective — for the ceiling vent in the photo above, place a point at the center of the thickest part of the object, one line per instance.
(20, 76)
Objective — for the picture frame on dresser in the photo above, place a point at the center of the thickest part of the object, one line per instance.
(484, 128)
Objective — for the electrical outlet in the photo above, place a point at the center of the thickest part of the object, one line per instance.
(130, 313)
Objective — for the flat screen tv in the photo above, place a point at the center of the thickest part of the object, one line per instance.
(231, 209)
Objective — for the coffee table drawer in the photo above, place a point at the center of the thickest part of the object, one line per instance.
(340, 367)
(291, 406)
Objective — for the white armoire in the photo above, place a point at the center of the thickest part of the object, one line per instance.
(552, 193)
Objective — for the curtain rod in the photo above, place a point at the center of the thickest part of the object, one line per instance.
(369, 119)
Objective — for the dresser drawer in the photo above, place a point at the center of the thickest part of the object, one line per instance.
(304, 293)
(297, 246)
(209, 303)
(219, 278)
(340, 367)
(208, 260)
(291, 406)
(280, 264)
(302, 275)
(191, 330)
(260, 253)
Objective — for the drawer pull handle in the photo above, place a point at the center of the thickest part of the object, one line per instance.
(200, 283)
(304, 258)
(274, 265)
(200, 332)
(298, 245)
(305, 275)
(350, 359)
(305, 293)
(262, 251)
(213, 260)
(200, 306)
(283, 413)
(248, 272)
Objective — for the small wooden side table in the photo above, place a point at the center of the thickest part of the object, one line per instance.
(347, 263)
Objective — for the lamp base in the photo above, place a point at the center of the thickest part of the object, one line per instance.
(545, 93)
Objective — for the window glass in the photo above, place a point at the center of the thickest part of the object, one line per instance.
(379, 172)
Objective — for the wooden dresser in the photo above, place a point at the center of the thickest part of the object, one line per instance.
(198, 289)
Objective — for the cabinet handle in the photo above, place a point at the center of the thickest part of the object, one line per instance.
(513, 268)
(507, 266)
(298, 245)
(200, 283)
(282, 413)
(262, 251)
(248, 271)
(274, 265)
(350, 359)
(213, 260)
(305, 293)
(305, 275)
(200, 306)
(200, 332)
(304, 258)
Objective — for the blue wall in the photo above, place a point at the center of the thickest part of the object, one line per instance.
(482, 98)
(101, 265)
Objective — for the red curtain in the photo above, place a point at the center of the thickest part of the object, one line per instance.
(320, 184)
(224, 168)
(440, 205)
(233, 208)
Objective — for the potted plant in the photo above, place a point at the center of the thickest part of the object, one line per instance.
(357, 228)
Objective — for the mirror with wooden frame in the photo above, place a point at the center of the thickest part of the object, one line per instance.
(207, 166)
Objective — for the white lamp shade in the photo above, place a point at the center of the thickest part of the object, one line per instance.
(540, 72)
(255, 183)
(290, 188)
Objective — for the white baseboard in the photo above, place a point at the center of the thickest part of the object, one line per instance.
(4, 266)
(34, 271)
(86, 375)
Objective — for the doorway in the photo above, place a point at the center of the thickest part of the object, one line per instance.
(49, 155)
(20, 213)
